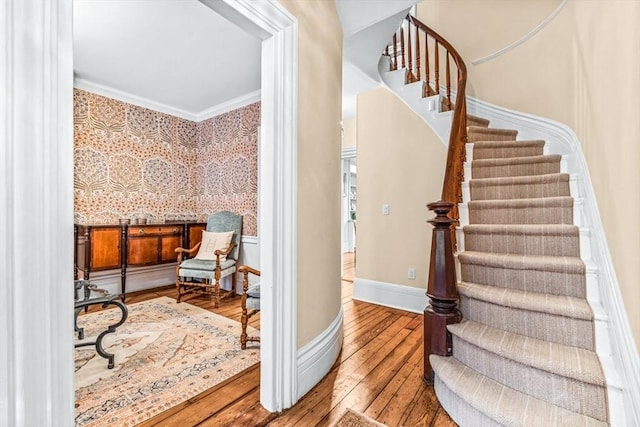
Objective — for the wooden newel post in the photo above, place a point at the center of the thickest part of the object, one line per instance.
(441, 290)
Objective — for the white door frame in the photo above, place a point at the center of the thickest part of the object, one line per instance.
(348, 153)
(36, 164)
(36, 218)
(277, 206)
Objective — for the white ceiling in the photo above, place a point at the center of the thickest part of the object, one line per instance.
(182, 58)
(176, 56)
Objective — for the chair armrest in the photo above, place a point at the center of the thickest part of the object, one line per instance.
(246, 270)
(190, 252)
(221, 252)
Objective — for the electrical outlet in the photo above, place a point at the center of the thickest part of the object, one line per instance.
(385, 209)
(411, 273)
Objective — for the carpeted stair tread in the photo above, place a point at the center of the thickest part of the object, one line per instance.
(556, 275)
(547, 210)
(560, 305)
(478, 133)
(559, 264)
(520, 187)
(459, 410)
(577, 363)
(560, 375)
(502, 149)
(477, 121)
(512, 312)
(506, 406)
(524, 239)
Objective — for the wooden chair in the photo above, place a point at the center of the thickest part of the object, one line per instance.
(201, 267)
(250, 303)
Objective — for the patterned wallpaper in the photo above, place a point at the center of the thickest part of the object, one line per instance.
(132, 162)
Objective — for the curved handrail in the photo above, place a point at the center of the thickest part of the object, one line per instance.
(458, 137)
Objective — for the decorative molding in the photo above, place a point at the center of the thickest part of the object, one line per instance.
(277, 213)
(208, 113)
(562, 140)
(110, 92)
(317, 357)
(524, 38)
(390, 295)
(225, 107)
(36, 164)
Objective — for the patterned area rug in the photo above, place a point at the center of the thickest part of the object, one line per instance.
(165, 353)
(351, 418)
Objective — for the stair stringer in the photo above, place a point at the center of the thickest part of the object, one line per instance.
(411, 94)
(614, 339)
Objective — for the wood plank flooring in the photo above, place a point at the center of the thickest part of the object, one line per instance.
(378, 373)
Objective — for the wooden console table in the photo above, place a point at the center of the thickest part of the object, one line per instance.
(110, 247)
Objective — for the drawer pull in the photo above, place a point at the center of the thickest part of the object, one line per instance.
(141, 231)
(175, 230)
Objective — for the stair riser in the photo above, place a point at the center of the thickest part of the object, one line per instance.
(491, 135)
(524, 169)
(521, 215)
(525, 191)
(477, 121)
(568, 393)
(502, 153)
(585, 243)
(543, 326)
(524, 244)
(559, 218)
(459, 410)
(525, 280)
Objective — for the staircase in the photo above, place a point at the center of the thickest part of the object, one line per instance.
(535, 346)
(525, 352)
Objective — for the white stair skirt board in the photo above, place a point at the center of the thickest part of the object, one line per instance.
(316, 358)
(390, 295)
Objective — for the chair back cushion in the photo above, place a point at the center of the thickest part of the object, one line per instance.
(227, 221)
(211, 242)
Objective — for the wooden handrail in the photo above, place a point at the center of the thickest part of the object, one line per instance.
(441, 289)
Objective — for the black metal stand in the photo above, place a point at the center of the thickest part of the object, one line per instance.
(105, 301)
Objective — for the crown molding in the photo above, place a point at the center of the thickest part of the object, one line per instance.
(230, 105)
(120, 95)
(208, 113)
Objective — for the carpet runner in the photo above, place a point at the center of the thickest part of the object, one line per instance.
(524, 355)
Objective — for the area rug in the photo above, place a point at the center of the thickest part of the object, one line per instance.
(350, 418)
(165, 353)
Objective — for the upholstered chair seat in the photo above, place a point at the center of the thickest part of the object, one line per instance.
(253, 297)
(201, 267)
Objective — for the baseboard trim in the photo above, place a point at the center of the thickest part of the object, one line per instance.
(317, 357)
(390, 295)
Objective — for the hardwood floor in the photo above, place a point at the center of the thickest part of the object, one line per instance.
(378, 373)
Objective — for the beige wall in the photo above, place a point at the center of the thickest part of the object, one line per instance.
(349, 133)
(319, 144)
(400, 163)
(583, 70)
